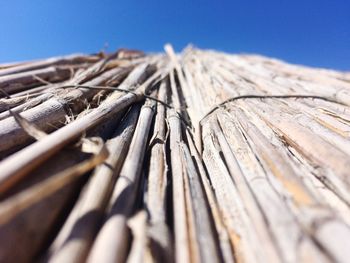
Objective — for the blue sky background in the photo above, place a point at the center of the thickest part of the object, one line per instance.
(314, 32)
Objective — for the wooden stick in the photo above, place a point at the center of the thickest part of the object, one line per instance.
(109, 247)
(51, 113)
(67, 60)
(18, 165)
(14, 205)
(20, 81)
(75, 238)
(160, 243)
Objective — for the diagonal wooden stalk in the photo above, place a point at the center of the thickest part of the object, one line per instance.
(182, 253)
(21, 163)
(139, 251)
(271, 187)
(108, 246)
(51, 113)
(160, 242)
(33, 92)
(328, 177)
(55, 61)
(88, 76)
(23, 233)
(9, 103)
(16, 82)
(16, 204)
(186, 246)
(157, 172)
(313, 223)
(257, 196)
(24, 104)
(76, 236)
(315, 148)
(182, 92)
(204, 233)
(224, 243)
(57, 108)
(246, 244)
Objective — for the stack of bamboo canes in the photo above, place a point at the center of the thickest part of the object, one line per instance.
(194, 157)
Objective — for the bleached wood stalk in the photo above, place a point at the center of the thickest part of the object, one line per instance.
(112, 77)
(204, 233)
(24, 104)
(315, 148)
(113, 239)
(20, 164)
(51, 113)
(76, 236)
(160, 242)
(186, 183)
(20, 81)
(55, 61)
(186, 244)
(12, 206)
(309, 217)
(269, 217)
(181, 232)
(246, 243)
(23, 233)
(9, 103)
(226, 252)
(258, 178)
(139, 251)
(182, 253)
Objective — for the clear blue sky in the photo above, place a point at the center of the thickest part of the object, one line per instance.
(310, 32)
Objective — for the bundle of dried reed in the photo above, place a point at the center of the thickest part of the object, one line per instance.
(194, 157)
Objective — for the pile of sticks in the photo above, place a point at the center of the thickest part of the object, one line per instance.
(194, 157)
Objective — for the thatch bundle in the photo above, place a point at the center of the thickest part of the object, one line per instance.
(194, 157)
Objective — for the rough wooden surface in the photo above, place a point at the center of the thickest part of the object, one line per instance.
(213, 157)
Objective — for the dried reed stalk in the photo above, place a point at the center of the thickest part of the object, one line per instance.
(108, 246)
(232, 158)
(75, 238)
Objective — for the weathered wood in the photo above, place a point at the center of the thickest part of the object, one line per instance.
(233, 158)
(109, 246)
(28, 233)
(19, 164)
(55, 61)
(52, 113)
(20, 81)
(158, 234)
(76, 236)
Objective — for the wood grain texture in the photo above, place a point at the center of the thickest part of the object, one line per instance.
(213, 157)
